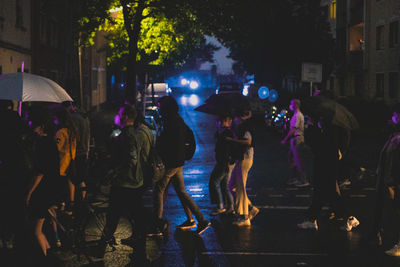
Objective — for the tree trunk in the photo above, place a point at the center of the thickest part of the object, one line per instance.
(132, 22)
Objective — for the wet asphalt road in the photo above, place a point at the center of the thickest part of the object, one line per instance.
(272, 239)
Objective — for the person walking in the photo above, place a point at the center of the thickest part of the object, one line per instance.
(126, 198)
(171, 146)
(388, 183)
(218, 185)
(296, 137)
(325, 146)
(245, 145)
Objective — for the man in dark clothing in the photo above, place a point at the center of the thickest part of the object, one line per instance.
(324, 143)
(219, 191)
(133, 147)
(171, 146)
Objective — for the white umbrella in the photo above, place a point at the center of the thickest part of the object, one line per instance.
(27, 87)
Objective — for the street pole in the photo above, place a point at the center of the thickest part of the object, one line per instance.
(80, 71)
(20, 102)
(311, 88)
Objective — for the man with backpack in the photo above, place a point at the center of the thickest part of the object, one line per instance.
(132, 150)
(175, 145)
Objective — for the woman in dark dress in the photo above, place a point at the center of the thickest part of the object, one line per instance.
(44, 190)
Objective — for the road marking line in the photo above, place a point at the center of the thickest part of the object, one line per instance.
(287, 207)
(358, 196)
(292, 189)
(261, 253)
(370, 189)
(303, 195)
(277, 195)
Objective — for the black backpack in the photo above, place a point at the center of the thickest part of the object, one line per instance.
(190, 143)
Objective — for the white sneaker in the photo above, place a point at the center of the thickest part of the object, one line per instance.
(351, 223)
(395, 251)
(308, 225)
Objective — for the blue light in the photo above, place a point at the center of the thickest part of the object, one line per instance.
(263, 92)
(194, 85)
(245, 91)
(184, 81)
(273, 95)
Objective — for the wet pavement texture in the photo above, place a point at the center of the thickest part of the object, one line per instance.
(272, 239)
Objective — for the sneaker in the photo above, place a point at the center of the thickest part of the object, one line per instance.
(155, 232)
(308, 225)
(253, 213)
(292, 181)
(186, 225)
(202, 227)
(351, 223)
(302, 184)
(242, 222)
(217, 212)
(395, 251)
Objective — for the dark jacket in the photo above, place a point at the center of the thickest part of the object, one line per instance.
(171, 144)
(224, 148)
(131, 153)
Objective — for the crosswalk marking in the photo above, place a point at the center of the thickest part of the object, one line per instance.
(261, 253)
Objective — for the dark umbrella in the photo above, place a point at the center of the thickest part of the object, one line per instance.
(337, 114)
(224, 103)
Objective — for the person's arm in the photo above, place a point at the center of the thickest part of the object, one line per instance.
(241, 141)
(36, 181)
(290, 134)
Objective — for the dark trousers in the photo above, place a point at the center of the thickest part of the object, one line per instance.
(128, 202)
(383, 195)
(175, 176)
(325, 192)
(219, 191)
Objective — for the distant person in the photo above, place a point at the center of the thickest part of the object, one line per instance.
(66, 138)
(245, 155)
(325, 146)
(126, 198)
(82, 124)
(219, 191)
(388, 184)
(296, 137)
(171, 145)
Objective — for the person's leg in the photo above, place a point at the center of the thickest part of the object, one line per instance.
(40, 237)
(242, 201)
(139, 215)
(118, 199)
(225, 188)
(217, 175)
(186, 200)
(297, 155)
(160, 191)
(71, 188)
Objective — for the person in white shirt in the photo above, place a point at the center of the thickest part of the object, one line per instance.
(296, 137)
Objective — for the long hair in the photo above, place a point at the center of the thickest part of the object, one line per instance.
(65, 121)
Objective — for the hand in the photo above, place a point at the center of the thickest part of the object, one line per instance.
(27, 200)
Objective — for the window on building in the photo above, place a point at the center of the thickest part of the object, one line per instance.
(380, 84)
(1, 24)
(356, 38)
(380, 37)
(394, 34)
(394, 84)
(333, 9)
(19, 19)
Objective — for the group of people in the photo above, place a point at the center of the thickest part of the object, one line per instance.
(43, 160)
(53, 159)
(328, 144)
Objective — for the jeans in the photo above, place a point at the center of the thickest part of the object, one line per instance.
(219, 191)
(175, 176)
(128, 202)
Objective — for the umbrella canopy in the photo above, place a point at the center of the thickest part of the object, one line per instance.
(332, 111)
(219, 104)
(29, 87)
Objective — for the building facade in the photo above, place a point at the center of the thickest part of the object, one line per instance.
(368, 51)
(15, 35)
